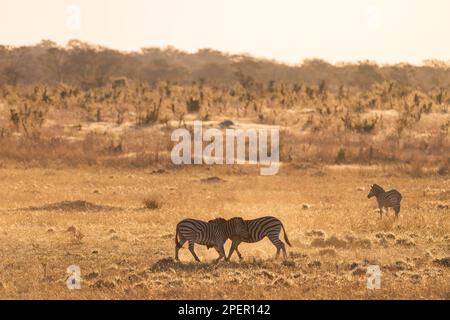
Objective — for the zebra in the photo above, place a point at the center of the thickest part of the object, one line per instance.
(258, 229)
(213, 234)
(386, 199)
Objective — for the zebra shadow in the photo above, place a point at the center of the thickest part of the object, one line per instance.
(167, 264)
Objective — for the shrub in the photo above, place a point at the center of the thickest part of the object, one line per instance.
(152, 203)
(341, 155)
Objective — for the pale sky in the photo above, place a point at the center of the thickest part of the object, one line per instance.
(387, 31)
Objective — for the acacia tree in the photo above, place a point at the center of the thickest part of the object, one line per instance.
(53, 61)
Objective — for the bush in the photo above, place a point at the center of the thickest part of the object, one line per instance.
(152, 203)
(193, 105)
(341, 155)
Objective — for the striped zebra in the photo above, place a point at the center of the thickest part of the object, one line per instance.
(213, 234)
(386, 199)
(258, 229)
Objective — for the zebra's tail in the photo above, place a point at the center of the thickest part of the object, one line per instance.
(286, 237)
(177, 244)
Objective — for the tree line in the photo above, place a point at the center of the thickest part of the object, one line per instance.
(89, 66)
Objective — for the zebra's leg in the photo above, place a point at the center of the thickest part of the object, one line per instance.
(278, 252)
(191, 249)
(220, 256)
(221, 251)
(234, 247)
(283, 248)
(397, 211)
(239, 254)
(274, 238)
(178, 246)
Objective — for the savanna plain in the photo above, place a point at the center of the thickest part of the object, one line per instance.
(86, 177)
(125, 250)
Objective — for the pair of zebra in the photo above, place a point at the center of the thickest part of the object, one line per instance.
(215, 233)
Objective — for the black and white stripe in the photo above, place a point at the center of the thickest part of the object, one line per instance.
(213, 234)
(386, 199)
(258, 229)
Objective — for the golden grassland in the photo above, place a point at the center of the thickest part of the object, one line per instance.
(86, 179)
(126, 250)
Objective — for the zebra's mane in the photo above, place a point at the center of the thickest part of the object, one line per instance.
(377, 188)
(217, 221)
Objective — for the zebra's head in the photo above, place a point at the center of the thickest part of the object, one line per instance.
(215, 222)
(233, 227)
(239, 227)
(374, 191)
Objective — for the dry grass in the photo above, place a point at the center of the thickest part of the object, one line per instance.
(86, 179)
(126, 252)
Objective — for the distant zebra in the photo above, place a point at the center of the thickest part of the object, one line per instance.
(258, 229)
(386, 199)
(213, 234)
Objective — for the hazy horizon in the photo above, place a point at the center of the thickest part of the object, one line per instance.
(285, 31)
